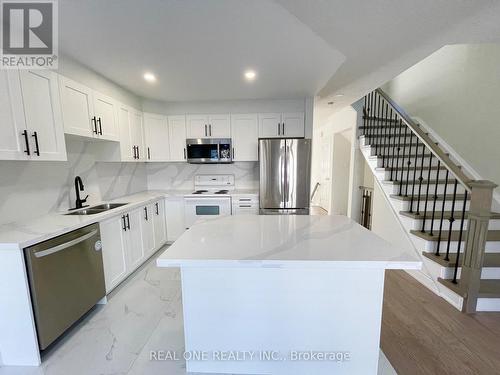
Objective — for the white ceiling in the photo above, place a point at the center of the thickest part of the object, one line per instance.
(200, 48)
(197, 48)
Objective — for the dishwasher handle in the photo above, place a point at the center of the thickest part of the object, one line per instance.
(55, 249)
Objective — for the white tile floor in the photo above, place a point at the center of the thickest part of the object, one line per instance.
(143, 314)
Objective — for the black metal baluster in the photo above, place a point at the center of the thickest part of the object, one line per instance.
(454, 281)
(414, 176)
(442, 213)
(421, 177)
(375, 124)
(384, 124)
(398, 148)
(451, 220)
(392, 151)
(400, 169)
(422, 229)
(408, 166)
(434, 198)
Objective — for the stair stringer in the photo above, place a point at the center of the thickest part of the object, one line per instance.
(430, 271)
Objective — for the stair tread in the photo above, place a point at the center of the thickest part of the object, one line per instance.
(447, 215)
(493, 235)
(490, 259)
(489, 288)
(449, 197)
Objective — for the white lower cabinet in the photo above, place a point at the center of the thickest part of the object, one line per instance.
(245, 204)
(160, 229)
(113, 251)
(174, 215)
(147, 229)
(129, 239)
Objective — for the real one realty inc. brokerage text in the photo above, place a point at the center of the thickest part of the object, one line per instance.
(247, 355)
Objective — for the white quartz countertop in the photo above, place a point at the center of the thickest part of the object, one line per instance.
(31, 231)
(284, 242)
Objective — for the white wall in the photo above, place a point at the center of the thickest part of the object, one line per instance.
(456, 92)
(341, 170)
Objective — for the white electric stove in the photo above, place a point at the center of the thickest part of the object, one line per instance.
(210, 199)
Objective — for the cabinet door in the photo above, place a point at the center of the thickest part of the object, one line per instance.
(177, 137)
(77, 108)
(245, 137)
(270, 125)
(137, 133)
(134, 244)
(293, 124)
(147, 230)
(156, 136)
(13, 144)
(174, 215)
(113, 251)
(197, 126)
(42, 109)
(105, 113)
(126, 146)
(219, 126)
(159, 223)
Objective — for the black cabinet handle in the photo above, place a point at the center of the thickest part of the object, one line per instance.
(146, 213)
(94, 121)
(184, 154)
(233, 152)
(124, 223)
(210, 129)
(206, 130)
(138, 153)
(100, 126)
(27, 151)
(128, 221)
(279, 131)
(283, 131)
(157, 209)
(133, 150)
(149, 154)
(37, 148)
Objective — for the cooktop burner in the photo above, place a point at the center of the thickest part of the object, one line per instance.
(221, 192)
(200, 191)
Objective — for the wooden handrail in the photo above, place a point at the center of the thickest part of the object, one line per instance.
(428, 142)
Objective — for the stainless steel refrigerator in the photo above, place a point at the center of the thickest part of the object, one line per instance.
(285, 174)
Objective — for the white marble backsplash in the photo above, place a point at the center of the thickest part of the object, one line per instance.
(180, 175)
(31, 189)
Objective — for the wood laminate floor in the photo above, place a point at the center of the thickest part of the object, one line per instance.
(423, 334)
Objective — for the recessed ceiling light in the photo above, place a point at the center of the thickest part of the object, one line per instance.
(338, 95)
(149, 77)
(250, 75)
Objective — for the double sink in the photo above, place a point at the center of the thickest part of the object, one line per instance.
(98, 209)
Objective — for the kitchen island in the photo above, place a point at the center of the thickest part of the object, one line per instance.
(283, 294)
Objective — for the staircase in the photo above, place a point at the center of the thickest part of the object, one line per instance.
(447, 214)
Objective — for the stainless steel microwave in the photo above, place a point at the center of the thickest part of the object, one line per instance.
(209, 150)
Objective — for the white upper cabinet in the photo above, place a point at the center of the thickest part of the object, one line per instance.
(131, 134)
(106, 122)
(281, 125)
(219, 126)
(30, 114)
(245, 137)
(208, 126)
(156, 137)
(40, 97)
(137, 133)
(177, 137)
(197, 126)
(13, 134)
(293, 124)
(86, 112)
(76, 102)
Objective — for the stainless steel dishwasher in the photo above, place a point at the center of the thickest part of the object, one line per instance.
(66, 280)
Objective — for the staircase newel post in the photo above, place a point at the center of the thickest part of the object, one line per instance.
(475, 242)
